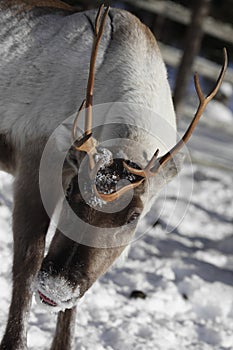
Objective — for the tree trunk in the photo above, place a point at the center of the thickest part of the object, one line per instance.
(192, 46)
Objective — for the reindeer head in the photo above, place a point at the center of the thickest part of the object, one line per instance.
(106, 194)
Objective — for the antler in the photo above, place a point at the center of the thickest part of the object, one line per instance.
(115, 195)
(155, 163)
(143, 173)
(87, 142)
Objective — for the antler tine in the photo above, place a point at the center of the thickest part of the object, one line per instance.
(87, 143)
(220, 78)
(75, 124)
(146, 172)
(211, 95)
(99, 28)
(115, 195)
(98, 17)
(97, 20)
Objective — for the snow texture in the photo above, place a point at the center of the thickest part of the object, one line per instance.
(187, 274)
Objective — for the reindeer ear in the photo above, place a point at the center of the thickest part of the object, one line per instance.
(63, 137)
(173, 167)
(64, 145)
(166, 173)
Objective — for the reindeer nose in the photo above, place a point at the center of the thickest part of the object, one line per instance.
(55, 292)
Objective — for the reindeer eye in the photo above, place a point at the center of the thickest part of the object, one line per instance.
(69, 190)
(133, 216)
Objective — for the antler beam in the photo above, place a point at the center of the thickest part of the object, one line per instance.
(87, 143)
(156, 163)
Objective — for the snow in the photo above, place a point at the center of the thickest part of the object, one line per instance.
(186, 273)
(220, 113)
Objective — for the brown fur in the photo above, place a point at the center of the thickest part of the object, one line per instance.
(7, 155)
(30, 224)
(64, 331)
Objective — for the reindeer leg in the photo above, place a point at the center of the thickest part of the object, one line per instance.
(64, 334)
(30, 224)
(7, 161)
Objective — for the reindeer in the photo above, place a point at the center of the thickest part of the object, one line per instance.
(109, 186)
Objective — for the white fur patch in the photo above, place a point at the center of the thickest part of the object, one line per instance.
(57, 290)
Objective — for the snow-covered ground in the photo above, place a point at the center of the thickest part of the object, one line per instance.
(187, 274)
